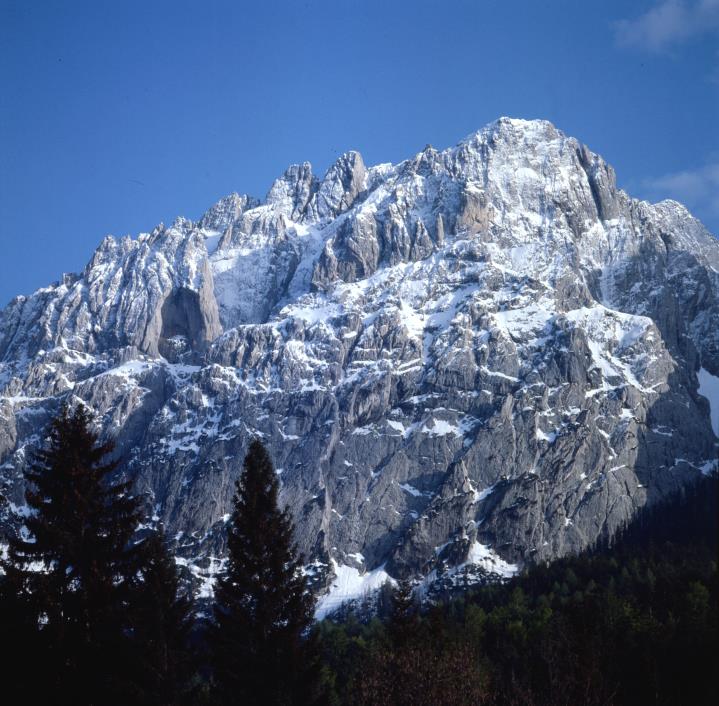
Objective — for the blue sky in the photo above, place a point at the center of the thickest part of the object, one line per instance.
(115, 116)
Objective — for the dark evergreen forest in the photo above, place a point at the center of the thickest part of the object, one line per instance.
(94, 613)
(633, 621)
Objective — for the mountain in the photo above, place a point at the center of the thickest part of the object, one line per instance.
(472, 360)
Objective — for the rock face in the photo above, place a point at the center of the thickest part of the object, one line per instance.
(479, 357)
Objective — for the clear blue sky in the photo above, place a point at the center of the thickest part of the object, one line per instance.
(115, 116)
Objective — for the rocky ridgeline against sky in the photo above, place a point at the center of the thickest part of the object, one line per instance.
(473, 359)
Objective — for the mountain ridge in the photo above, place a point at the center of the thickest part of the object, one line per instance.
(386, 331)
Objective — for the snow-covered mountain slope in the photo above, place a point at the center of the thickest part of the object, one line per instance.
(470, 360)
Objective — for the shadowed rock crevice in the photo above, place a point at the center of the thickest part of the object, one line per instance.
(186, 327)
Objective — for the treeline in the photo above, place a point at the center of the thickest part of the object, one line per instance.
(631, 622)
(92, 614)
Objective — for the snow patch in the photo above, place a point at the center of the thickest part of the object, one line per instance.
(441, 427)
(413, 491)
(482, 494)
(349, 584)
(709, 388)
(483, 556)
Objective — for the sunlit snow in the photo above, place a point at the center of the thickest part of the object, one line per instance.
(349, 584)
(483, 556)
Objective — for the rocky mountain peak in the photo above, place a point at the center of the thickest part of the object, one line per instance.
(343, 183)
(226, 211)
(292, 192)
(480, 357)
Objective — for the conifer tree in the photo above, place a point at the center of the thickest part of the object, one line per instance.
(262, 607)
(161, 616)
(18, 665)
(403, 619)
(71, 566)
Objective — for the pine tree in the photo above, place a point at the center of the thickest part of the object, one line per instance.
(71, 566)
(18, 664)
(403, 619)
(262, 607)
(161, 616)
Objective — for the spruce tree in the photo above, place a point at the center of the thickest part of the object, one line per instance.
(19, 663)
(263, 608)
(403, 619)
(71, 567)
(161, 617)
